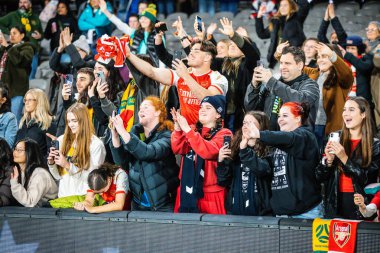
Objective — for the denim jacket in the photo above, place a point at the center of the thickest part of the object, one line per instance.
(8, 127)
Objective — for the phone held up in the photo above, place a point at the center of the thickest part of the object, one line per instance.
(177, 54)
(69, 79)
(334, 137)
(162, 28)
(55, 144)
(102, 77)
(199, 23)
(227, 141)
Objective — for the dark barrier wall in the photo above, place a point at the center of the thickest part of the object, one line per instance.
(64, 230)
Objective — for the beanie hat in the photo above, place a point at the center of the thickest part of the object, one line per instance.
(218, 102)
(354, 40)
(82, 44)
(150, 13)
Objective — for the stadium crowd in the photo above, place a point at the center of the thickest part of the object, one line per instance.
(135, 111)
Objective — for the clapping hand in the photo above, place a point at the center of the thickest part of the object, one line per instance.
(173, 112)
(182, 122)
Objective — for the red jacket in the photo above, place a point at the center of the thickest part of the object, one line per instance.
(207, 149)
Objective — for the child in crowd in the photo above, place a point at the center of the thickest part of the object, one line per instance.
(111, 182)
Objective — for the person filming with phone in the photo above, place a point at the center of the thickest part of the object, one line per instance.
(268, 94)
(244, 161)
(75, 153)
(351, 162)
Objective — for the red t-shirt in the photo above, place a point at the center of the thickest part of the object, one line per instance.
(189, 104)
(345, 182)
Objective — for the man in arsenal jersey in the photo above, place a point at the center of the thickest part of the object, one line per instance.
(193, 83)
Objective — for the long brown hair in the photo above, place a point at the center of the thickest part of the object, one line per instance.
(160, 106)
(367, 130)
(81, 157)
(293, 8)
(259, 147)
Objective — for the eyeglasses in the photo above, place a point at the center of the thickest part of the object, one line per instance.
(29, 100)
(370, 30)
(19, 150)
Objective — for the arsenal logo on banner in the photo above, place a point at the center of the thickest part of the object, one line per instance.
(342, 236)
(342, 233)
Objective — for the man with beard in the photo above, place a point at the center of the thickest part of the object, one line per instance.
(268, 94)
(24, 17)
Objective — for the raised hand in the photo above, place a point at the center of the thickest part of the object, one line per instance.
(227, 27)
(66, 91)
(262, 10)
(180, 68)
(180, 31)
(102, 89)
(103, 5)
(67, 37)
(91, 88)
(323, 49)
(200, 34)
(331, 10)
(281, 47)
(211, 28)
(182, 122)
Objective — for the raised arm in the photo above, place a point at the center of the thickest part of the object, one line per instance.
(160, 75)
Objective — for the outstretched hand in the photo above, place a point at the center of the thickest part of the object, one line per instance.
(227, 27)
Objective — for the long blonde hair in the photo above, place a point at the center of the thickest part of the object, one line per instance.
(82, 139)
(41, 114)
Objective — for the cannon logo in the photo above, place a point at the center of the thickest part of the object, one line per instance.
(342, 233)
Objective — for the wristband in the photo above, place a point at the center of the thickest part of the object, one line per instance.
(184, 37)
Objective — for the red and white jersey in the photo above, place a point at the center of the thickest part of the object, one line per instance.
(189, 104)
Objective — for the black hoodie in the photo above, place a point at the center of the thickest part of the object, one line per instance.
(295, 189)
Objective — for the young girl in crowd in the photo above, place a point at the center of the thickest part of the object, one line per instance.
(80, 152)
(310, 52)
(37, 120)
(295, 190)
(6, 168)
(111, 182)
(199, 191)
(146, 153)
(352, 163)
(8, 121)
(251, 173)
(32, 185)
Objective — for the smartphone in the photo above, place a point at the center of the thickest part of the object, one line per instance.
(69, 79)
(55, 144)
(227, 141)
(334, 137)
(177, 54)
(260, 63)
(199, 22)
(162, 27)
(102, 77)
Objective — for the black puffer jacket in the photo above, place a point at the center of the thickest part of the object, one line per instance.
(360, 177)
(151, 164)
(284, 29)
